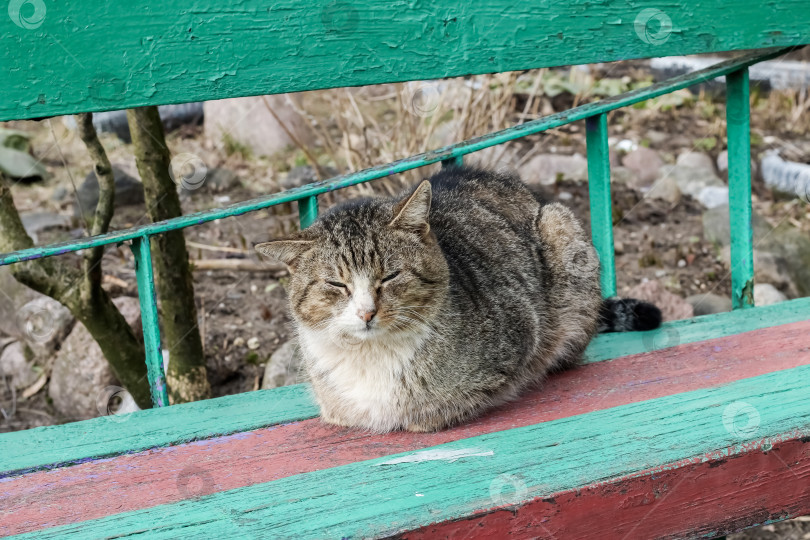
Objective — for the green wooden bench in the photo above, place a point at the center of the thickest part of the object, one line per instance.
(696, 429)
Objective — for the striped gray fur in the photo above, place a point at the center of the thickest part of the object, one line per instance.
(422, 311)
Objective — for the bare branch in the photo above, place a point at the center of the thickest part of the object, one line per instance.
(106, 197)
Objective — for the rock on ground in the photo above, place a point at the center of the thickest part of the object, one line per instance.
(29, 316)
(284, 367)
(248, 122)
(44, 323)
(546, 169)
(128, 192)
(783, 255)
(645, 163)
(17, 364)
(691, 181)
(709, 303)
(672, 307)
(80, 371)
(766, 294)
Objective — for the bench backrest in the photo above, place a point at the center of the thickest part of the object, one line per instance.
(70, 57)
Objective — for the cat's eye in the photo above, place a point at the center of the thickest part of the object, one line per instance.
(337, 284)
(389, 277)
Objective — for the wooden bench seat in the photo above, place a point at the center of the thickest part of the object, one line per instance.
(653, 444)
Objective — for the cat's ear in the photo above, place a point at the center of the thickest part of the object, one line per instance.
(286, 251)
(412, 212)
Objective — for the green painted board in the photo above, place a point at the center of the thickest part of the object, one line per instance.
(69, 57)
(106, 436)
(133, 432)
(384, 496)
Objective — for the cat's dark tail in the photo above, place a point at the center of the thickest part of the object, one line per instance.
(627, 315)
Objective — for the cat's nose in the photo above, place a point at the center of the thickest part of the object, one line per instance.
(366, 315)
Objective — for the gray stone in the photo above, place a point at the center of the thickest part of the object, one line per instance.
(713, 196)
(623, 175)
(547, 169)
(217, 180)
(766, 294)
(247, 121)
(37, 222)
(17, 364)
(691, 181)
(768, 268)
(695, 160)
(657, 137)
(128, 192)
(722, 162)
(645, 163)
(14, 296)
(707, 304)
(665, 188)
(284, 366)
(80, 372)
(303, 175)
(788, 247)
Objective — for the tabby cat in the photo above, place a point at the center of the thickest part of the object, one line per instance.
(423, 311)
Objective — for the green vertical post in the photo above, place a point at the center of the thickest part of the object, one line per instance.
(457, 161)
(599, 193)
(307, 211)
(739, 187)
(149, 320)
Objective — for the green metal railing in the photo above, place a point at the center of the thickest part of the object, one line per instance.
(595, 116)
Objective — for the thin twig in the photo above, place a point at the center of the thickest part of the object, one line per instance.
(106, 195)
(301, 146)
(70, 176)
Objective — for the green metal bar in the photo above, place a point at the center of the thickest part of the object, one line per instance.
(149, 320)
(739, 187)
(307, 211)
(406, 164)
(457, 161)
(601, 206)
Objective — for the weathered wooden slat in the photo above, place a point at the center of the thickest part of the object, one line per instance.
(473, 476)
(63, 58)
(55, 446)
(36, 500)
(710, 499)
(405, 164)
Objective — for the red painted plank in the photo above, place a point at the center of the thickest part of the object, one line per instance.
(677, 501)
(68, 495)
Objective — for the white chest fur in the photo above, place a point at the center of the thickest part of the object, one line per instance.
(364, 380)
